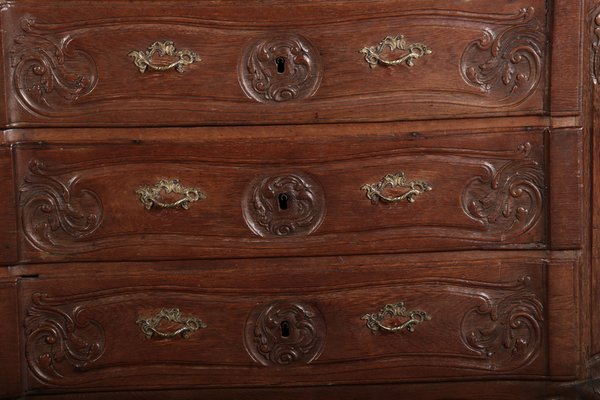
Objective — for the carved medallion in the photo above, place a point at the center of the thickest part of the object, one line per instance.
(506, 330)
(507, 64)
(280, 68)
(48, 74)
(56, 212)
(60, 339)
(284, 205)
(507, 199)
(283, 333)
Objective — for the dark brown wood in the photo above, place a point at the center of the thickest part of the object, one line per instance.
(10, 355)
(498, 390)
(93, 81)
(563, 281)
(568, 71)
(345, 228)
(8, 222)
(470, 330)
(565, 155)
(328, 210)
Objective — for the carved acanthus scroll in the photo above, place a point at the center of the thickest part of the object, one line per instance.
(56, 212)
(506, 330)
(60, 340)
(507, 64)
(48, 74)
(507, 199)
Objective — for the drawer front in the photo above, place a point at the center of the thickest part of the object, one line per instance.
(258, 326)
(282, 196)
(243, 62)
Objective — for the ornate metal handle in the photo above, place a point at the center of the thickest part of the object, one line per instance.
(375, 191)
(373, 54)
(150, 196)
(398, 310)
(150, 326)
(144, 59)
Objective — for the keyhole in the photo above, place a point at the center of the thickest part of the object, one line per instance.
(280, 61)
(283, 201)
(285, 329)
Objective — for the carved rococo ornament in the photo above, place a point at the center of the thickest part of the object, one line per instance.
(408, 52)
(47, 73)
(55, 213)
(507, 330)
(284, 333)
(284, 205)
(507, 64)
(280, 68)
(60, 340)
(508, 199)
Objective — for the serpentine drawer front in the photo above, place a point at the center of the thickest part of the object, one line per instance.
(256, 198)
(208, 63)
(307, 199)
(482, 318)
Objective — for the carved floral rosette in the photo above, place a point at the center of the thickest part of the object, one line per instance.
(301, 343)
(300, 74)
(56, 212)
(507, 199)
(507, 64)
(47, 72)
(60, 339)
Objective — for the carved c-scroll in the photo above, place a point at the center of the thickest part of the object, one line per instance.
(48, 73)
(507, 64)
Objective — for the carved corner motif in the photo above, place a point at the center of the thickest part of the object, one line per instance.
(56, 213)
(47, 73)
(509, 199)
(60, 340)
(280, 68)
(282, 333)
(507, 330)
(507, 64)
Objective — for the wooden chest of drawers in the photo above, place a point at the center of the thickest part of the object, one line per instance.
(312, 199)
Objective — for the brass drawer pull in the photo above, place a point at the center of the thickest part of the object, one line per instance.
(410, 52)
(375, 322)
(151, 326)
(145, 59)
(375, 191)
(151, 196)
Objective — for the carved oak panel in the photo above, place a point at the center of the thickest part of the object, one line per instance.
(83, 333)
(80, 203)
(294, 65)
